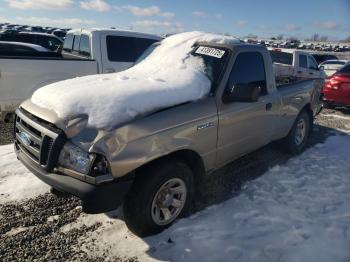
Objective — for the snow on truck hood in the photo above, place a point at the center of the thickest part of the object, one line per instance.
(168, 76)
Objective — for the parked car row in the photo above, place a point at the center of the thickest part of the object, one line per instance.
(7, 28)
(50, 42)
(296, 44)
(19, 48)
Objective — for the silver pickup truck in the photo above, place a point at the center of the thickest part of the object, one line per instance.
(154, 163)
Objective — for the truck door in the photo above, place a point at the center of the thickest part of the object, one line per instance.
(121, 52)
(246, 126)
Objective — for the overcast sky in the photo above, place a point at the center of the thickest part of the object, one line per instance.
(237, 17)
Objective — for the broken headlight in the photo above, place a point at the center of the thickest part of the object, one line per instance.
(72, 157)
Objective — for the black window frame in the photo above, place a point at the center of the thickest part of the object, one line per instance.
(300, 60)
(66, 41)
(265, 90)
(76, 51)
(132, 48)
(82, 52)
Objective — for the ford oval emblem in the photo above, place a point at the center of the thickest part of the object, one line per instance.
(25, 138)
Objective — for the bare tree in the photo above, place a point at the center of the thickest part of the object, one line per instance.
(315, 37)
(324, 38)
(293, 38)
(252, 36)
(279, 37)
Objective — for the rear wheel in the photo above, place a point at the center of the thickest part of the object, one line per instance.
(161, 194)
(297, 138)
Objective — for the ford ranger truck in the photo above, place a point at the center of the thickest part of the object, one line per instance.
(154, 163)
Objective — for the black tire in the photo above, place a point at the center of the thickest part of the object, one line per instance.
(290, 141)
(138, 202)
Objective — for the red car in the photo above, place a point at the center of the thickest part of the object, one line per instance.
(336, 89)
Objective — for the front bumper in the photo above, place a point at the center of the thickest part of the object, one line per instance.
(95, 198)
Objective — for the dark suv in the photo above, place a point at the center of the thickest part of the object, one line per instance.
(50, 42)
(320, 58)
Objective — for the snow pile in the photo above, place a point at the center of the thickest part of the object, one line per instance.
(299, 211)
(167, 77)
(296, 212)
(16, 182)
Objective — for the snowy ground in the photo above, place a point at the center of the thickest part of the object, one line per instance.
(299, 210)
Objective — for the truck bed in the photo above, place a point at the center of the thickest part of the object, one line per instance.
(21, 76)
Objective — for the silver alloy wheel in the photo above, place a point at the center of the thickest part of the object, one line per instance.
(300, 132)
(169, 201)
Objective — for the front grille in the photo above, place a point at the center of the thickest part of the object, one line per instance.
(39, 142)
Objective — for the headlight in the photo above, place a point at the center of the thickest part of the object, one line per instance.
(72, 157)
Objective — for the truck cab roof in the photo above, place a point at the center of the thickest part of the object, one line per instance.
(92, 31)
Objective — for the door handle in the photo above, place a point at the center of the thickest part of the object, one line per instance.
(299, 72)
(311, 73)
(109, 70)
(268, 106)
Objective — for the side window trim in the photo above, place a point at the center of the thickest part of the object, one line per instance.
(76, 38)
(65, 48)
(83, 52)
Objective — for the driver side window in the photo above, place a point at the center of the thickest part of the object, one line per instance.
(249, 69)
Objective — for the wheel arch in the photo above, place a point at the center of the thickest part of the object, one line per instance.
(307, 108)
(190, 157)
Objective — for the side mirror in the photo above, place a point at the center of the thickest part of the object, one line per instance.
(242, 93)
(321, 67)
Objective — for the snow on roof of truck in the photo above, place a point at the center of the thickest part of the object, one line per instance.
(113, 31)
(168, 76)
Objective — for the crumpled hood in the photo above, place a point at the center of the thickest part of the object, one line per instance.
(167, 77)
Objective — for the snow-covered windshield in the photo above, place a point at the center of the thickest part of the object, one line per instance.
(211, 64)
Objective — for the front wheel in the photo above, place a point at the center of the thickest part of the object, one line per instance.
(297, 138)
(160, 194)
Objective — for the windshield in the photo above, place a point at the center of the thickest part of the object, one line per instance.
(213, 61)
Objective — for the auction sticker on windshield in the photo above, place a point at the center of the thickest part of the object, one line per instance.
(210, 51)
